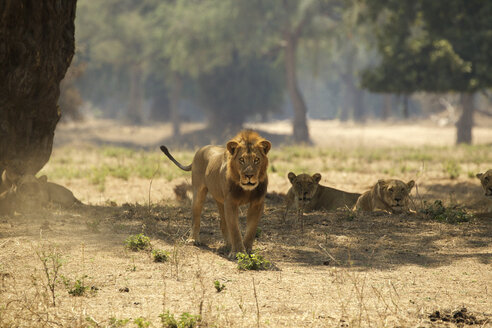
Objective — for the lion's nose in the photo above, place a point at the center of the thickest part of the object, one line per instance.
(249, 176)
(397, 199)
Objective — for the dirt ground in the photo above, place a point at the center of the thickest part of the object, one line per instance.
(341, 270)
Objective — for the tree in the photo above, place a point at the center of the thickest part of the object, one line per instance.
(36, 48)
(434, 46)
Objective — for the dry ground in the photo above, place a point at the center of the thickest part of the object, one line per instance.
(341, 270)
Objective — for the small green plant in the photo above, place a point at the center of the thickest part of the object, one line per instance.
(252, 262)
(186, 320)
(437, 211)
(77, 287)
(452, 168)
(117, 323)
(160, 255)
(258, 232)
(218, 286)
(141, 322)
(138, 242)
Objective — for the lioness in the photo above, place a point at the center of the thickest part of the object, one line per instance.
(308, 195)
(486, 181)
(28, 192)
(234, 175)
(388, 195)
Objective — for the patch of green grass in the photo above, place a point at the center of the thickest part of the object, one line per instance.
(160, 255)
(252, 262)
(118, 323)
(137, 242)
(437, 211)
(141, 322)
(452, 168)
(77, 287)
(117, 152)
(218, 286)
(185, 320)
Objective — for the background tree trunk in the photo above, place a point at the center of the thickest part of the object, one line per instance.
(36, 48)
(359, 112)
(134, 113)
(465, 123)
(176, 89)
(300, 128)
(386, 113)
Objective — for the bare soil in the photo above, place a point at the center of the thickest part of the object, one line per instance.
(341, 270)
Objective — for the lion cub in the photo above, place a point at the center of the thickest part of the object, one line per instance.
(388, 195)
(308, 195)
(486, 181)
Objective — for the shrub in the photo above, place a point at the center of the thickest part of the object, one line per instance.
(437, 211)
(252, 262)
(218, 286)
(138, 242)
(186, 320)
(160, 255)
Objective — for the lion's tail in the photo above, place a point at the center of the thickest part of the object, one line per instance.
(178, 164)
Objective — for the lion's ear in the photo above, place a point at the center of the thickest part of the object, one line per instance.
(480, 175)
(291, 177)
(232, 146)
(317, 177)
(266, 145)
(43, 179)
(381, 182)
(410, 185)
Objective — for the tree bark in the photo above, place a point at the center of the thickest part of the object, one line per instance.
(36, 48)
(465, 123)
(176, 89)
(300, 128)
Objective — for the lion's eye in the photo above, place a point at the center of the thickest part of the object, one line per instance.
(391, 189)
(299, 185)
(241, 160)
(486, 179)
(257, 160)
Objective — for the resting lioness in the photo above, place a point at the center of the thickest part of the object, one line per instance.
(486, 181)
(26, 192)
(308, 195)
(389, 195)
(234, 175)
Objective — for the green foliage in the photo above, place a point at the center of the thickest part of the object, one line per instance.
(186, 320)
(452, 168)
(252, 262)
(160, 255)
(437, 211)
(218, 286)
(141, 322)
(137, 242)
(118, 323)
(77, 287)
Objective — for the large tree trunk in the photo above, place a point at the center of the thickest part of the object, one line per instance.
(300, 128)
(465, 123)
(176, 89)
(36, 48)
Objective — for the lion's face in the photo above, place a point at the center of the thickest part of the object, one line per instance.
(248, 159)
(395, 193)
(486, 181)
(304, 186)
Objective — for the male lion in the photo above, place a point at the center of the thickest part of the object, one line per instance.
(234, 175)
(486, 181)
(308, 195)
(388, 195)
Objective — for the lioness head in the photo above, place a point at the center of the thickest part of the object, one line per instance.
(304, 186)
(30, 192)
(395, 193)
(486, 180)
(247, 159)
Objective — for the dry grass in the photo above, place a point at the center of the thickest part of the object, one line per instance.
(341, 270)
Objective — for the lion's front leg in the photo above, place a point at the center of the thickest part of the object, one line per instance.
(232, 224)
(255, 211)
(223, 224)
